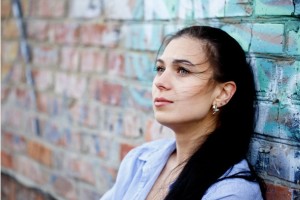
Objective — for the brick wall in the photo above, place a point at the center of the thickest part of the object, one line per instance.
(92, 66)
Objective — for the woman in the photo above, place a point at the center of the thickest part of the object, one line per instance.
(204, 91)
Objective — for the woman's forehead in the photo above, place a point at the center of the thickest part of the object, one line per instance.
(184, 48)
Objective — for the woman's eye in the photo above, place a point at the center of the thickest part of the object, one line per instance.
(159, 69)
(182, 71)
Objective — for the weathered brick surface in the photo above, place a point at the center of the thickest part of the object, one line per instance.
(47, 9)
(106, 92)
(7, 160)
(63, 186)
(293, 39)
(70, 85)
(273, 7)
(92, 66)
(123, 10)
(160, 9)
(38, 30)
(85, 9)
(43, 79)
(142, 36)
(5, 8)
(12, 189)
(64, 33)
(9, 29)
(279, 192)
(44, 56)
(40, 153)
(267, 38)
(31, 170)
(92, 60)
(99, 34)
(69, 59)
(11, 51)
(139, 67)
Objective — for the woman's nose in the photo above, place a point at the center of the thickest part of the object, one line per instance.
(162, 81)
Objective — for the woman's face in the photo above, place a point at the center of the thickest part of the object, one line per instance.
(183, 90)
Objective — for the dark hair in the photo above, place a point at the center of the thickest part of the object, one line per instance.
(228, 144)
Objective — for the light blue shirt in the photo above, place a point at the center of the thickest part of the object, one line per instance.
(142, 166)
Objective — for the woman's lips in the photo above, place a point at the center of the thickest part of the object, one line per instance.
(160, 101)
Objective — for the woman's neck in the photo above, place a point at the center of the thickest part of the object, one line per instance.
(188, 140)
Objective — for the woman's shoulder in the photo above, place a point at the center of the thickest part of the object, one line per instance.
(234, 188)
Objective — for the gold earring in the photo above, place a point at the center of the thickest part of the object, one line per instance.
(215, 109)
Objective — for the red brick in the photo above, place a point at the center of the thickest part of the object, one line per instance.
(133, 124)
(26, 6)
(5, 91)
(6, 140)
(42, 78)
(91, 33)
(116, 63)
(278, 192)
(13, 142)
(11, 51)
(112, 122)
(87, 193)
(9, 29)
(40, 153)
(45, 8)
(5, 8)
(69, 59)
(107, 93)
(71, 85)
(125, 148)
(80, 169)
(17, 74)
(30, 169)
(45, 55)
(64, 187)
(8, 190)
(49, 104)
(38, 30)
(92, 60)
(12, 117)
(85, 114)
(64, 33)
(5, 72)
(6, 160)
(95, 145)
(42, 102)
(99, 34)
(23, 98)
(70, 140)
(19, 143)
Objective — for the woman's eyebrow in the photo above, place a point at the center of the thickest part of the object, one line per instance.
(160, 60)
(182, 61)
(177, 61)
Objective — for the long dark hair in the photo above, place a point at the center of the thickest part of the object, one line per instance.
(228, 144)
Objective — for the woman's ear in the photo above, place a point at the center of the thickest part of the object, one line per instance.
(226, 91)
